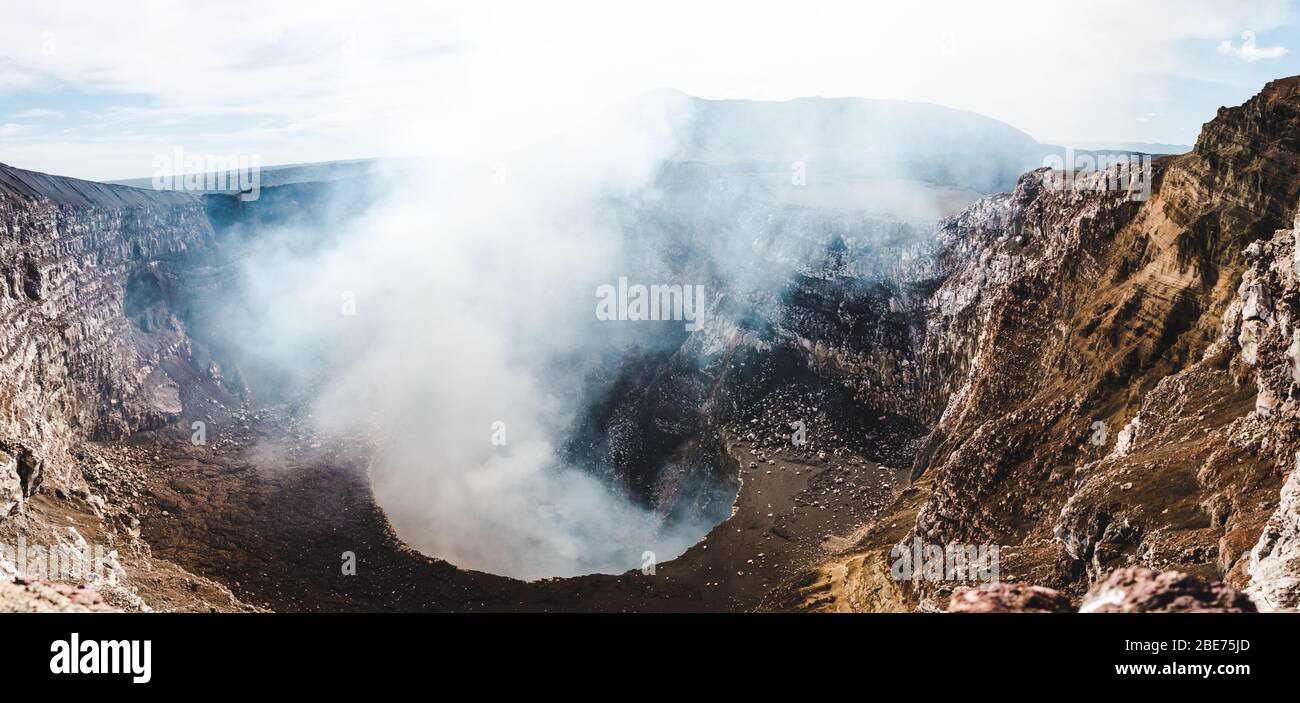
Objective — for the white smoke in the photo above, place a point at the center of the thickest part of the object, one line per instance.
(468, 280)
(475, 285)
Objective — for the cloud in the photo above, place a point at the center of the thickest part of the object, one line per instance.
(1249, 51)
(459, 77)
(35, 114)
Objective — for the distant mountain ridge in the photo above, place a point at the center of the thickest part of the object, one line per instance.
(857, 137)
(1153, 148)
(835, 141)
(287, 174)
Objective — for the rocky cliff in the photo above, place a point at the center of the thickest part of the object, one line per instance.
(84, 338)
(1112, 378)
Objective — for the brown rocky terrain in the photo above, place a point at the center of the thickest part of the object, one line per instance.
(1167, 320)
(1095, 382)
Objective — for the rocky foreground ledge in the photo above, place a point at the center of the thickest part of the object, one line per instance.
(22, 595)
(1129, 590)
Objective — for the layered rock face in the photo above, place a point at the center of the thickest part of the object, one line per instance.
(1113, 379)
(85, 327)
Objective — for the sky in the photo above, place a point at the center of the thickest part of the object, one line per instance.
(99, 90)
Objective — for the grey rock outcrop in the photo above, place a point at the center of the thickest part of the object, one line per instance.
(11, 488)
(1274, 565)
(1264, 319)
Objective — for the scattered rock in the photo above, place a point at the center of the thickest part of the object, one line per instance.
(1008, 598)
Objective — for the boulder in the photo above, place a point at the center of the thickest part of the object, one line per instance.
(1142, 590)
